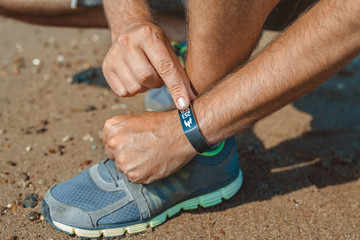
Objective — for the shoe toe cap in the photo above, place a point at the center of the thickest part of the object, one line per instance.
(54, 210)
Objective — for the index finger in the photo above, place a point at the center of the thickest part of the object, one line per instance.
(171, 72)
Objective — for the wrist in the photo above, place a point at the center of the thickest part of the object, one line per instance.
(202, 115)
(183, 145)
(192, 131)
(132, 12)
(124, 27)
(212, 123)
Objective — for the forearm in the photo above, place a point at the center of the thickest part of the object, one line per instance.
(314, 48)
(124, 13)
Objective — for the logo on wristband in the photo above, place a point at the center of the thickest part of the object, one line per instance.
(192, 131)
(188, 123)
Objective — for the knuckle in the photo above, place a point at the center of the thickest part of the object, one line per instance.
(112, 143)
(134, 89)
(146, 181)
(108, 124)
(166, 68)
(159, 35)
(176, 88)
(123, 40)
(146, 77)
(120, 92)
(146, 30)
(132, 176)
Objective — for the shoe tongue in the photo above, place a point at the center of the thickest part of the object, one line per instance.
(108, 171)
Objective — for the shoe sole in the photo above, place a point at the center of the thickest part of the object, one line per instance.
(206, 200)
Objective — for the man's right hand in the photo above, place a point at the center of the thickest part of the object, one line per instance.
(140, 58)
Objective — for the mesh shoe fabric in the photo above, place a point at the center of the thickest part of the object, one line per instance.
(102, 201)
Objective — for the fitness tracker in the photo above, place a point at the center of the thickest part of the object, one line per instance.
(192, 131)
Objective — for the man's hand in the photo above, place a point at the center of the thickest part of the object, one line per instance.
(140, 58)
(147, 147)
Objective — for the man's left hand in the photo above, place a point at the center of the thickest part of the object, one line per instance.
(148, 146)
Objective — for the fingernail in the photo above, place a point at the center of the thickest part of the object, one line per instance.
(181, 102)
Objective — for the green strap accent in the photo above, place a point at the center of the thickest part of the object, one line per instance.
(175, 43)
(215, 151)
(183, 49)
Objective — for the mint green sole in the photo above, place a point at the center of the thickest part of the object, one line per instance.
(206, 200)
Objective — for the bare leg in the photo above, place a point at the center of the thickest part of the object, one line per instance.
(222, 36)
(54, 13)
(59, 13)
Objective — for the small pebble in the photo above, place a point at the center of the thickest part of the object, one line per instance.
(60, 58)
(87, 162)
(3, 180)
(115, 107)
(28, 148)
(9, 205)
(31, 200)
(12, 238)
(69, 79)
(88, 137)
(46, 77)
(95, 37)
(105, 92)
(13, 164)
(67, 138)
(123, 106)
(6, 146)
(13, 207)
(52, 151)
(52, 39)
(19, 47)
(42, 218)
(42, 181)
(90, 108)
(61, 149)
(93, 147)
(36, 62)
(23, 177)
(33, 216)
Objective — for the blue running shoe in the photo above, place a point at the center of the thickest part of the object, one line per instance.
(101, 201)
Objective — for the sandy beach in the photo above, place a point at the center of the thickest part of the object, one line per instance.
(301, 164)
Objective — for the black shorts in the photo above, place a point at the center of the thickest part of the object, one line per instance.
(286, 12)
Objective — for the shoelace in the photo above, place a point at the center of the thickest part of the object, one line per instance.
(113, 172)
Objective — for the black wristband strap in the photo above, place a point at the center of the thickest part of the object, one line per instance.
(192, 131)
